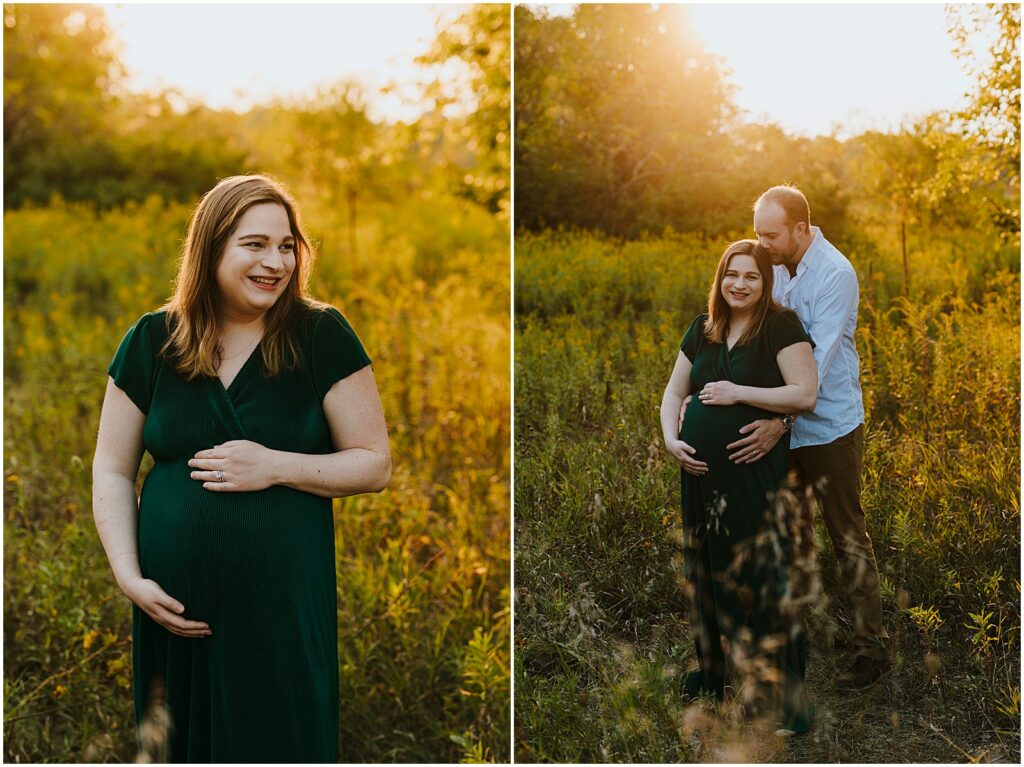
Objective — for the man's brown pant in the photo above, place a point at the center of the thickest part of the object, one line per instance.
(840, 463)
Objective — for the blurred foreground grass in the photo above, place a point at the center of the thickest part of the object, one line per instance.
(601, 636)
(423, 569)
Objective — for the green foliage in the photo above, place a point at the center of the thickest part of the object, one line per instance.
(71, 130)
(414, 255)
(625, 125)
(601, 637)
(480, 41)
(991, 119)
(423, 569)
(59, 68)
(618, 109)
(927, 619)
(994, 111)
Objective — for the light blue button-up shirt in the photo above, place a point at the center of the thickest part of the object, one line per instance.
(824, 294)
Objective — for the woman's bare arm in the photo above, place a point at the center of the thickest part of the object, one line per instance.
(114, 469)
(360, 435)
(115, 510)
(677, 390)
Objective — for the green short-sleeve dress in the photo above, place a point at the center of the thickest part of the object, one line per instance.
(258, 567)
(736, 548)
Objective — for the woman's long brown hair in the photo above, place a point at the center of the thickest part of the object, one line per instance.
(716, 329)
(192, 318)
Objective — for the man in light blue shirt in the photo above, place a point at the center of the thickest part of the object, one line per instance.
(820, 285)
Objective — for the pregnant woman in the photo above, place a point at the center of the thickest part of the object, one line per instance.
(747, 358)
(258, 405)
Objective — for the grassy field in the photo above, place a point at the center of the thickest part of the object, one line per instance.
(601, 632)
(423, 568)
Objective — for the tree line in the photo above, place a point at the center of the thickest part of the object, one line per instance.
(625, 124)
(73, 130)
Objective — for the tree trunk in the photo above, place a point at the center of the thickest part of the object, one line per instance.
(872, 285)
(353, 244)
(906, 268)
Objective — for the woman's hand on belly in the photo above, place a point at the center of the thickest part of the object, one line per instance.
(682, 412)
(684, 454)
(720, 393)
(163, 608)
(238, 465)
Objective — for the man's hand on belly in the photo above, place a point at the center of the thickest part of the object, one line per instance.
(761, 437)
(682, 413)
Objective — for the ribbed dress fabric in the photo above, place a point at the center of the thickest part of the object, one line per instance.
(735, 549)
(258, 567)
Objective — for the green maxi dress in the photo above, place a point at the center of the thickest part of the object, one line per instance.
(258, 567)
(736, 546)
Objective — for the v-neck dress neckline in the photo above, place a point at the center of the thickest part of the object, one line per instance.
(231, 388)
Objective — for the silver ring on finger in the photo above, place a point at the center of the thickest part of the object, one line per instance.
(219, 475)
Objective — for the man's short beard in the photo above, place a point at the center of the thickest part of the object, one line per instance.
(787, 255)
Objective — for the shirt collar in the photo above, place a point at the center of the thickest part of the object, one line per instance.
(811, 254)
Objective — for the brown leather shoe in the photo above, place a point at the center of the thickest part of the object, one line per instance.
(864, 672)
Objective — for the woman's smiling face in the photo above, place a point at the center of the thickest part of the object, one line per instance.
(257, 262)
(742, 284)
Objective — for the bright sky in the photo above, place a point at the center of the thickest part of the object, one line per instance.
(238, 55)
(810, 67)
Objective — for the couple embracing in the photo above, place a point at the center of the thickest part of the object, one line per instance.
(766, 387)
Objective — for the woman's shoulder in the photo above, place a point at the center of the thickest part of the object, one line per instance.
(783, 327)
(150, 317)
(335, 350)
(782, 317)
(321, 325)
(153, 324)
(310, 314)
(699, 324)
(137, 358)
(693, 339)
(328, 313)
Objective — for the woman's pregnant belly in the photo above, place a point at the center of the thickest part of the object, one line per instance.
(206, 547)
(710, 428)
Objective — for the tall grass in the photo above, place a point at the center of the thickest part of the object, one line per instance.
(601, 631)
(423, 569)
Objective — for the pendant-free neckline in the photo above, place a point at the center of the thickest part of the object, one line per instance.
(245, 365)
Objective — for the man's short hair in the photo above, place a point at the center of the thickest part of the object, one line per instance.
(791, 200)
